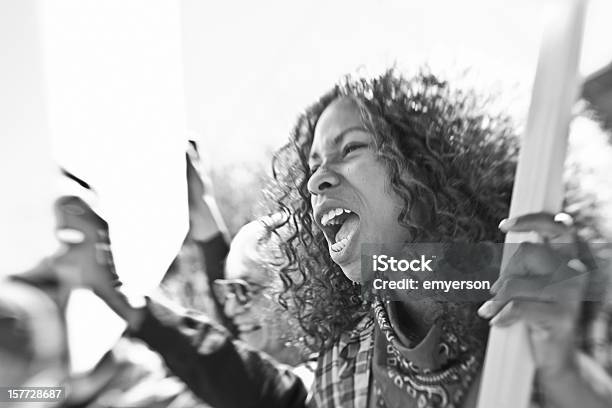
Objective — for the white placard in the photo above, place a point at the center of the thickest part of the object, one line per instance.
(116, 116)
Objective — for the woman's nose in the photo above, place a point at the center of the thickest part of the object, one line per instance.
(322, 179)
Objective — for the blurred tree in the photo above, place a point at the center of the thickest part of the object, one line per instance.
(239, 191)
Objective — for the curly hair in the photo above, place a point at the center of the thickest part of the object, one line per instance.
(442, 150)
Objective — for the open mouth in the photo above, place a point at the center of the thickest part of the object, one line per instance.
(339, 225)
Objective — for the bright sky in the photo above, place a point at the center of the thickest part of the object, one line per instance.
(252, 66)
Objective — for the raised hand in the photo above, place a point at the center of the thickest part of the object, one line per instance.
(205, 220)
(86, 246)
(86, 257)
(543, 286)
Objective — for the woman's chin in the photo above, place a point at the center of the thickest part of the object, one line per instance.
(353, 271)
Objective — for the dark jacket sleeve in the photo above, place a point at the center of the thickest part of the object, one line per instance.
(222, 372)
(214, 251)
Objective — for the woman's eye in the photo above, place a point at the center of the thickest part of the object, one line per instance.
(352, 147)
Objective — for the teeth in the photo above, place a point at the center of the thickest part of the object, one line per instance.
(340, 245)
(328, 218)
(324, 219)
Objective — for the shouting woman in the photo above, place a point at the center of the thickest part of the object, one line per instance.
(387, 160)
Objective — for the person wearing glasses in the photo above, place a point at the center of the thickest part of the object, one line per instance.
(248, 293)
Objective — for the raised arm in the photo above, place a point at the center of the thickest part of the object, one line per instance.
(221, 371)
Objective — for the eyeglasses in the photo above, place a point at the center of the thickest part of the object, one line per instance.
(242, 291)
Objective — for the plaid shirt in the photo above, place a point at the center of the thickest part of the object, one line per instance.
(342, 376)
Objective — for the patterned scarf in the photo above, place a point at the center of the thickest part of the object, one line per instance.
(436, 373)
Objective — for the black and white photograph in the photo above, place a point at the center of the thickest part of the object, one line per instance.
(306, 204)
